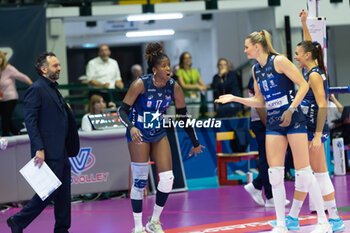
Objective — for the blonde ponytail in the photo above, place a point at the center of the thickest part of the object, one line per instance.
(264, 38)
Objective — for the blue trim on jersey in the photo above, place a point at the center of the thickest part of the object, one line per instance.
(148, 109)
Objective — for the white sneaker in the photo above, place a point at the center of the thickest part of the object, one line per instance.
(279, 229)
(322, 228)
(154, 226)
(271, 204)
(142, 231)
(256, 194)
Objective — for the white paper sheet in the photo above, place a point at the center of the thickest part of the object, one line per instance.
(43, 180)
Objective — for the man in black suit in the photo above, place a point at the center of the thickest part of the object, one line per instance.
(53, 137)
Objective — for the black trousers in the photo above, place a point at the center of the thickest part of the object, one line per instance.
(61, 198)
(259, 130)
(6, 111)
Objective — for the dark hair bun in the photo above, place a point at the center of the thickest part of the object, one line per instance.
(153, 50)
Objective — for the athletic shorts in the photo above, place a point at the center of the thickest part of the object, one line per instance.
(147, 136)
(311, 135)
(299, 127)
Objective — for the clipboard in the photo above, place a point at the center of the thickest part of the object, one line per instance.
(42, 180)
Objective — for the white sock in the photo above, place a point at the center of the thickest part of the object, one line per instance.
(157, 210)
(138, 221)
(295, 210)
(332, 209)
(317, 199)
(279, 197)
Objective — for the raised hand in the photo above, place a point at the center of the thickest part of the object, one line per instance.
(303, 16)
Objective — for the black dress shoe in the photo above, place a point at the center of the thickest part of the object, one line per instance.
(13, 225)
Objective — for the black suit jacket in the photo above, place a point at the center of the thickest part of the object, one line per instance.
(46, 122)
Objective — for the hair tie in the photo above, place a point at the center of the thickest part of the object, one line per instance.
(315, 43)
(262, 33)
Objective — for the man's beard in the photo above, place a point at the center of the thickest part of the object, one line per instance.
(53, 75)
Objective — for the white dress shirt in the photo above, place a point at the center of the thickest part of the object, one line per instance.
(103, 72)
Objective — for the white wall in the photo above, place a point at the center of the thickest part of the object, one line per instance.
(57, 44)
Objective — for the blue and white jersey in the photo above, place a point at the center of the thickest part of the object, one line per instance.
(278, 91)
(148, 109)
(309, 104)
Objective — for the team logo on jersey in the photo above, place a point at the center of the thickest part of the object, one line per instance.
(151, 120)
(265, 86)
(167, 97)
(149, 104)
(151, 90)
(160, 94)
(150, 97)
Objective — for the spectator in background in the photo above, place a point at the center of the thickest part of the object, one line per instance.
(136, 71)
(334, 112)
(103, 71)
(174, 72)
(96, 106)
(8, 93)
(230, 66)
(190, 79)
(226, 82)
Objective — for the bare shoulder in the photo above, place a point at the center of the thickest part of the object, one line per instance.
(282, 63)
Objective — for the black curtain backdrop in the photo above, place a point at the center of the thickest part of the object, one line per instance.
(23, 29)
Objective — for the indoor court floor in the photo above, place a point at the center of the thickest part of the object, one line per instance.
(225, 209)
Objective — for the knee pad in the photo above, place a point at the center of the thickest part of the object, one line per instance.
(276, 176)
(303, 179)
(325, 183)
(166, 180)
(140, 177)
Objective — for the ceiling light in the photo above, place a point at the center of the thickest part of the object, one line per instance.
(151, 16)
(165, 32)
(89, 45)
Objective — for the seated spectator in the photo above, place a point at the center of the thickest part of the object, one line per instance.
(103, 71)
(174, 71)
(96, 106)
(190, 79)
(225, 82)
(334, 111)
(8, 94)
(136, 71)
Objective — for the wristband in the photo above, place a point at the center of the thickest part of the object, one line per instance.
(292, 109)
